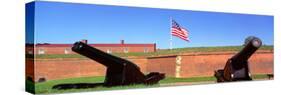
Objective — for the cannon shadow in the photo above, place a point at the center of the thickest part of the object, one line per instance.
(77, 86)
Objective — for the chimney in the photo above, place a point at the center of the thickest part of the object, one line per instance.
(84, 41)
(122, 41)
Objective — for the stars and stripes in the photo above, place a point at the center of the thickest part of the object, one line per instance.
(178, 31)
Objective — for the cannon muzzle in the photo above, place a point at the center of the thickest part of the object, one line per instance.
(251, 45)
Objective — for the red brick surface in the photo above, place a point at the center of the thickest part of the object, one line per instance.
(61, 68)
(29, 70)
(141, 62)
(162, 64)
(192, 65)
(67, 68)
(205, 65)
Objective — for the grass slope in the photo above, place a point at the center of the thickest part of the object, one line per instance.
(160, 52)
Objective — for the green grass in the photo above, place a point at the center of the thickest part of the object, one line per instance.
(260, 76)
(190, 50)
(160, 52)
(46, 87)
(193, 79)
(50, 56)
(30, 86)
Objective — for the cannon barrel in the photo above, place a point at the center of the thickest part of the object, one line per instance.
(251, 45)
(237, 68)
(119, 71)
(106, 59)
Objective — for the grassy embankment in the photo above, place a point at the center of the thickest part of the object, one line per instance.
(161, 52)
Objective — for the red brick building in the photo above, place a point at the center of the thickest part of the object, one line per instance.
(121, 47)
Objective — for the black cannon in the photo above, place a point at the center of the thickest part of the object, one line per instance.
(119, 71)
(236, 68)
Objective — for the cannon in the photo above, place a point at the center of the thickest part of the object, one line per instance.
(236, 68)
(119, 71)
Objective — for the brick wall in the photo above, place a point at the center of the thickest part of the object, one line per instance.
(61, 68)
(29, 68)
(67, 68)
(163, 64)
(206, 64)
(191, 65)
(141, 62)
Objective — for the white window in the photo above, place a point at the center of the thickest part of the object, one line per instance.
(145, 50)
(41, 51)
(108, 51)
(125, 50)
(66, 51)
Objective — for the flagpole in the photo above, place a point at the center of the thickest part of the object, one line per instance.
(171, 37)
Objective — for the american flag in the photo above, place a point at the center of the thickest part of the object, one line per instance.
(179, 31)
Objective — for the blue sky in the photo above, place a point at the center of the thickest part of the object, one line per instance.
(70, 22)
